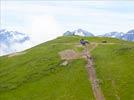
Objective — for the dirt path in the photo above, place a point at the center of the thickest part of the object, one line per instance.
(92, 76)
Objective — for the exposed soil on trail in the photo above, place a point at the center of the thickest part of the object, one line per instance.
(92, 75)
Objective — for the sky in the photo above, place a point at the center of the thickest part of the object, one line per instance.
(45, 20)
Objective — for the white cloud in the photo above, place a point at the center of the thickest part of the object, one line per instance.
(37, 20)
(44, 28)
(44, 17)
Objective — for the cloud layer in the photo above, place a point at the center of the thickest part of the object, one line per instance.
(45, 20)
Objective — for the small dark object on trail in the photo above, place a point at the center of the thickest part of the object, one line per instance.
(83, 42)
(104, 41)
(90, 58)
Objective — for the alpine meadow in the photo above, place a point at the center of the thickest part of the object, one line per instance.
(39, 73)
(66, 49)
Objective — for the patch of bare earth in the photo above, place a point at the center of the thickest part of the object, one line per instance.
(69, 54)
(16, 54)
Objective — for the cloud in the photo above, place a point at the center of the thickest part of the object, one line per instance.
(40, 28)
(42, 18)
(35, 20)
(44, 28)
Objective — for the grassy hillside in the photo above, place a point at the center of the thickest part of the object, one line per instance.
(114, 65)
(38, 74)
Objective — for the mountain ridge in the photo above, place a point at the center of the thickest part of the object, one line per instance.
(13, 41)
(79, 32)
(120, 35)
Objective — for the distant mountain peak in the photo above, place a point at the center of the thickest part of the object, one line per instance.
(114, 34)
(79, 32)
(120, 35)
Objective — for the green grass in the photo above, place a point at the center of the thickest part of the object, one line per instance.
(76, 39)
(115, 68)
(39, 75)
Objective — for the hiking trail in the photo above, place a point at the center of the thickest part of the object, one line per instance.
(92, 75)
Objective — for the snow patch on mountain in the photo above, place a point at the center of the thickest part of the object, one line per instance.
(129, 36)
(114, 34)
(79, 32)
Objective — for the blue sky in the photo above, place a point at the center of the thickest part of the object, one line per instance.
(44, 20)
